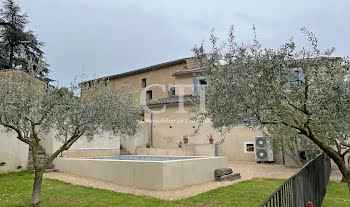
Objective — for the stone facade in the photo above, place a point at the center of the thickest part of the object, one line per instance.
(157, 74)
(164, 131)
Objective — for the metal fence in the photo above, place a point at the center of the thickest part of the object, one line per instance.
(309, 184)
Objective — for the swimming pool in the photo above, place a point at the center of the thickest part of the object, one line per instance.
(150, 172)
(143, 158)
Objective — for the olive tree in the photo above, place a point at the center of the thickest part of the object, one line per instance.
(32, 109)
(290, 143)
(303, 89)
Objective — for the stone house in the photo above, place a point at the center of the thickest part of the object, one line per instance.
(162, 127)
(164, 131)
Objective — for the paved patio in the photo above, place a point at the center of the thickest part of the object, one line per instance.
(248, 171)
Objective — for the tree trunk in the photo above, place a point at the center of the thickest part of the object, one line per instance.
(345, 171)
(36, 195)
(343, 179)
(335, 156)
(346, 179)
(11, 57)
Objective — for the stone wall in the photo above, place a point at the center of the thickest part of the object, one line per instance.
(82, 145)
(163, 76)
(185, 151)
(170, 127)
(13, 153)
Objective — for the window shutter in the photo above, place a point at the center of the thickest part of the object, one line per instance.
(195, 86)
(301, 75)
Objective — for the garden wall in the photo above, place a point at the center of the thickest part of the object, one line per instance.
(13, 153)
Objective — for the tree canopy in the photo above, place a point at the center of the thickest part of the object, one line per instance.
(303, 89)
(16, 42)
(32, 108)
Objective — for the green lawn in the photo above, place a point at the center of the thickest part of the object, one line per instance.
(15, 191)
(337, 195)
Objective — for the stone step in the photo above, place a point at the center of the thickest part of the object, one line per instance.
(39, 148)
(39, 152)
(30, 162)
(31, 167)
(30, 154)
(39, 160)
(40, 156)
(46, 171)
(233, 176)
(49, 167)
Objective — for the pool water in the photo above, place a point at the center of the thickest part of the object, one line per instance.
(143, 158)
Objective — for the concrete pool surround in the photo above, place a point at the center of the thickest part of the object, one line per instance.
(149, 172)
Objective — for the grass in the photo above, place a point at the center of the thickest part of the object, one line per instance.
(15, 191)
(337, 195)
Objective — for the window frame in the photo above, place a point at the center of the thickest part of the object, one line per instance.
(245, 147)
(147, 94)
(144, 82)
(197, 87)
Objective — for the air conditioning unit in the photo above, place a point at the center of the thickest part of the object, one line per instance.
(263, 150)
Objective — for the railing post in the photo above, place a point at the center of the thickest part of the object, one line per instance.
(279, 198)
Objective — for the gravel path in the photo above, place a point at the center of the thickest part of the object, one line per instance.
(248, 171)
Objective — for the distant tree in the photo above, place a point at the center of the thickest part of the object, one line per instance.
(31, 109)
(16, 41)
(304, 90)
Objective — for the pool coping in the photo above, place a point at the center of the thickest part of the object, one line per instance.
(194, 158)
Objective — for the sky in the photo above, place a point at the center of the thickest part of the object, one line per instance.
(106, 37)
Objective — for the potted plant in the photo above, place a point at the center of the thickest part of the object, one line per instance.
(180, 144)
(148, 145)
(185, 138)
(211, 140)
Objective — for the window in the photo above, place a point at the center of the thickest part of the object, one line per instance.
(199, 84)
(171, 91)
(144, 83)
(249, 147)
(149, 95)
(203, 82)
(299, 76)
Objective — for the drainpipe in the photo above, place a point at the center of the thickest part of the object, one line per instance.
(216, 149)
(151, 129)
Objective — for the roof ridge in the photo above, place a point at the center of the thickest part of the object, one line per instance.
(142, 70)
